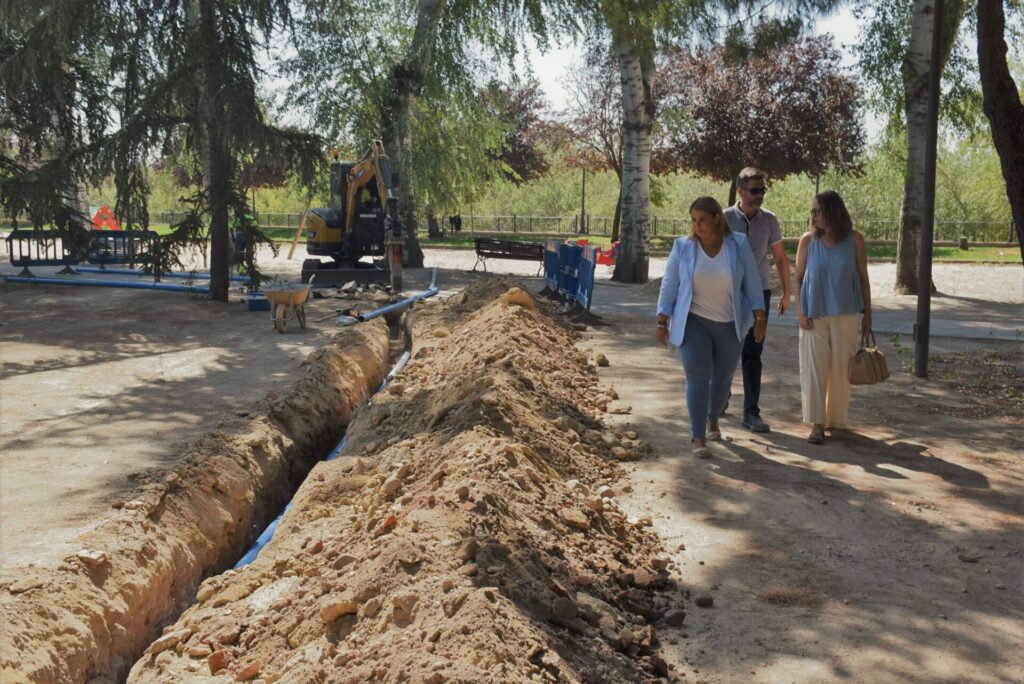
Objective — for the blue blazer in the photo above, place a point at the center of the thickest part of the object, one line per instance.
(677, 286)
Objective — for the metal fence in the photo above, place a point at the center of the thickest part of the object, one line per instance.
(666, 226)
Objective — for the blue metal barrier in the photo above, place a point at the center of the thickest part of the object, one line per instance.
(551, 265)
(570, 269)
(38, 248)
(120, 246)
(46, 248)
(585, 280)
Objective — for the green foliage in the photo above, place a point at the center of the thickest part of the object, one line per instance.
(456, 153)
(348, 67)
(882, 46)
(969, 189)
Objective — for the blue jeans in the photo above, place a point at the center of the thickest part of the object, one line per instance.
(710, 352)
(751, 356)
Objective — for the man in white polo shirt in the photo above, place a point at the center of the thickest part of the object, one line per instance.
(762, 231)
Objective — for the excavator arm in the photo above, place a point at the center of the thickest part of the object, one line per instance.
(362, 219)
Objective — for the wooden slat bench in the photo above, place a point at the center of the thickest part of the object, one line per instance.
(492, 248)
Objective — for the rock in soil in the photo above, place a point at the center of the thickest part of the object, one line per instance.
(703, 599)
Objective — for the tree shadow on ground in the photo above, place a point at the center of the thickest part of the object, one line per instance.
(814, 534)
(839, 557)
(874, 455)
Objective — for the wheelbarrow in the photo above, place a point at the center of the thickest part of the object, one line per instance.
(288, 302)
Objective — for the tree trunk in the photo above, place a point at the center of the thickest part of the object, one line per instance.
(617, 220)
(636, 74)
(732, 191)
(915, 104)
(433, 227)
(1002, 107)
(407, 81)
(399, 149)
(218, 165)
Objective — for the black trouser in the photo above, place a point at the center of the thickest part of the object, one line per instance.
(750, 359)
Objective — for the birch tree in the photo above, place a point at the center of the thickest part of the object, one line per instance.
(636, 28)
(895, 53)
(632, 26)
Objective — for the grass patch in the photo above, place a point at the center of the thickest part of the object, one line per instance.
(1002, 255)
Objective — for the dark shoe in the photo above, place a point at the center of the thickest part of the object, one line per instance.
(753, 422)
(817, 436)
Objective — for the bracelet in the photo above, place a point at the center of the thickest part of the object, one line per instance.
(662, 324)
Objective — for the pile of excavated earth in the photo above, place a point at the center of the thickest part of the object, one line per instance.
(468, 532)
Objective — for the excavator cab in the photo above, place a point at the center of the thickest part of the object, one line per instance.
(360, 221)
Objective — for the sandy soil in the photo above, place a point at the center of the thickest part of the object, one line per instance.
(894, 552)
(100, 385)
(468, 532)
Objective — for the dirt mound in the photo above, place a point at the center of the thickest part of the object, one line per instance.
(468, 533)
(95, 613)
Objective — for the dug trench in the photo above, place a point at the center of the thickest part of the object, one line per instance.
(92, 616)
(468, 532)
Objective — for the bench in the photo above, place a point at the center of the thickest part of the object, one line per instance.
(492, 248)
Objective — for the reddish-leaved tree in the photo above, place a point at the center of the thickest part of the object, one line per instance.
(786, 111)
(530, 133)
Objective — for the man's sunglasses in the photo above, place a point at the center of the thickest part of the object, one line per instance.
(756, 191)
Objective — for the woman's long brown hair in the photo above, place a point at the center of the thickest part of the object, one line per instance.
(837, 218)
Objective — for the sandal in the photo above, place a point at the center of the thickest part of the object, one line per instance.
(714, 434)
(700, 448)
(817, 435)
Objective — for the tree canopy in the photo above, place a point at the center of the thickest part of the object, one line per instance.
(97, 88)
(790, 110)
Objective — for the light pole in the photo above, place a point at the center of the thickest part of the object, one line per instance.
(922, 328)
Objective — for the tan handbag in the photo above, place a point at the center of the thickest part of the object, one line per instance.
(868, 366)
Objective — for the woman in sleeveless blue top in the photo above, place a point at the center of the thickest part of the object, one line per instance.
(832, 292)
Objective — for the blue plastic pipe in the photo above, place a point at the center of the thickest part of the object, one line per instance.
(109, 283)
(268, 533)
(405, 303)
(199, 275)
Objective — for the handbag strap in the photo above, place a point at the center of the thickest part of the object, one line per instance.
(869, 336)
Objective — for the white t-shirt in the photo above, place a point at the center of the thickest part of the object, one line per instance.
(712, 287)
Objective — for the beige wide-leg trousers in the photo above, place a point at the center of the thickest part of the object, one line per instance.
(825, 355)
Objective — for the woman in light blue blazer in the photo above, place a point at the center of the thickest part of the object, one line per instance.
(709, 295)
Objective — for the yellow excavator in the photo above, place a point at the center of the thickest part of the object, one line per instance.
(360, 221)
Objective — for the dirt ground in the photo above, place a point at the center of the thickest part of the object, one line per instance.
(891, 553)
